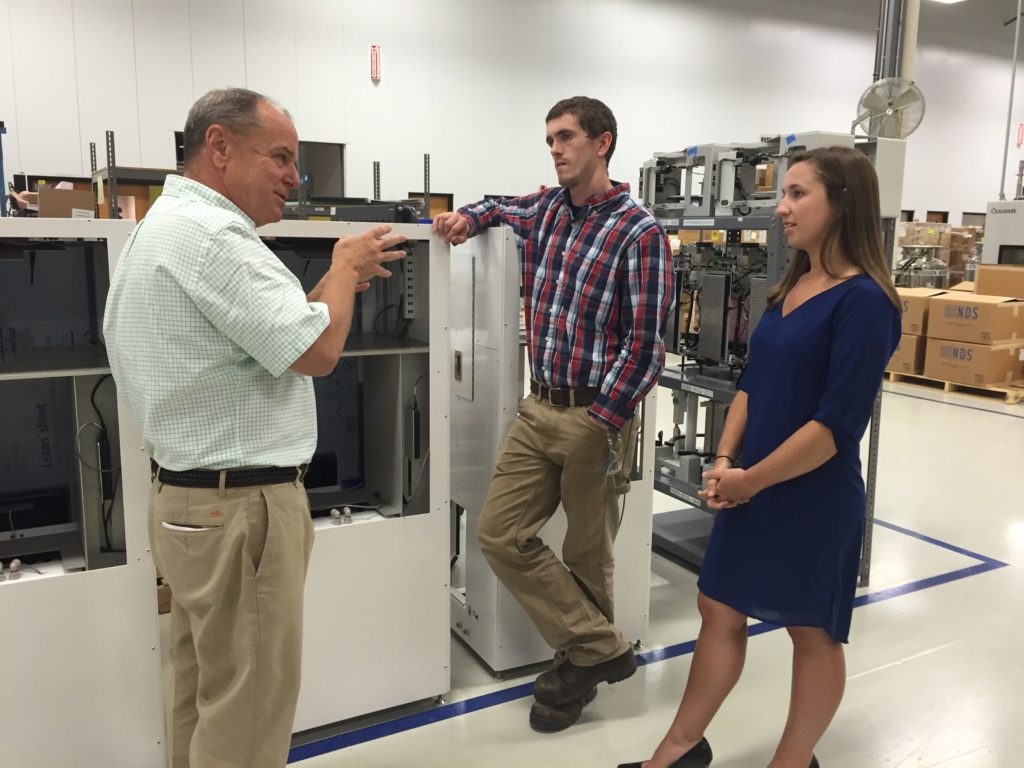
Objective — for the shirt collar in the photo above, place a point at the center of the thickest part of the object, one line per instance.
(601, 198)
(190, 189)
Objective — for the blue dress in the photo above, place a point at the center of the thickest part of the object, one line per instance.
(791, 555)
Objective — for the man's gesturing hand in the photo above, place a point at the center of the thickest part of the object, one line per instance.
(453, 227)
(364, 253)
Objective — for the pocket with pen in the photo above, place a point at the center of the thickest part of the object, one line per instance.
(190, 527)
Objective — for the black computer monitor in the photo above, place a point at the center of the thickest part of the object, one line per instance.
(1011, 254)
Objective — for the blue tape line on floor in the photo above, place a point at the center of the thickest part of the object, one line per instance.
(407, 723)
(654, 656)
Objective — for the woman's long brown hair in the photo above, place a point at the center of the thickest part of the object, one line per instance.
(854, 231)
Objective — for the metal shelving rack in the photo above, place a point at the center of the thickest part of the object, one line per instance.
(112, 175)
(683, 533)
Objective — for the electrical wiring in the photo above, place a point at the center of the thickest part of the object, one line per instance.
(419, 477)
(415, 387)
(377, 318)
(78, 451)
(107, 507)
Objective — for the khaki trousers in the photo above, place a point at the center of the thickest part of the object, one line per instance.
(236, 619)
(554, 455)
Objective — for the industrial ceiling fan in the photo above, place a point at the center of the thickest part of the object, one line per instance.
(891, 108)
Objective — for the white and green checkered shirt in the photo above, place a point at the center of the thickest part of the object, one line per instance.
(202, 323)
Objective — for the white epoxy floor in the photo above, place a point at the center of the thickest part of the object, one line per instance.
(936, 676)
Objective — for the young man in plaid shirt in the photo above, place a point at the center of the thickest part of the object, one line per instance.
(597, 278)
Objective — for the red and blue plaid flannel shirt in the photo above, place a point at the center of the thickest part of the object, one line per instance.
(598, 291)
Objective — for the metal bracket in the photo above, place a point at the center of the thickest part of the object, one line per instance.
(115, 210)
(426, 186)
(870, 484)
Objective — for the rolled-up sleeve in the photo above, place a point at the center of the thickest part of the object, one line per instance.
(519, 213)
(244, 290)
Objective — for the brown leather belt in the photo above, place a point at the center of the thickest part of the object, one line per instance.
(234, 478)
(565, 398)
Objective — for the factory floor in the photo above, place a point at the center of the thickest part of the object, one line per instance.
(935, 670)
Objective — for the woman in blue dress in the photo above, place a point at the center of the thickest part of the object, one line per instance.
(785, 548)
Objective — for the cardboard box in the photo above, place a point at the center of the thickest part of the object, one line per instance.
(163, 599)
(976, 319)
(966, 286)
(909, 355)
(999, 280)
(66, 204)
(716, 236)
(915, 308)
(764, 178)
(687, 236)
(979, 365)
(754, 236)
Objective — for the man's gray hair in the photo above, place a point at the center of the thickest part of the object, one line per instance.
(236, 109)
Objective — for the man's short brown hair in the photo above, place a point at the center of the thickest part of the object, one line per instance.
(594, 117)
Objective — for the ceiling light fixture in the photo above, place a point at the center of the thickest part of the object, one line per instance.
(948, 2)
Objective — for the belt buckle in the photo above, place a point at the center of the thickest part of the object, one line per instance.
(551, 400)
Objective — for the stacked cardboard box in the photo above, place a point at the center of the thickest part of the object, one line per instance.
(961, 246)
(909, 355)
(1000, 280)
(975, 339)
(956, 244)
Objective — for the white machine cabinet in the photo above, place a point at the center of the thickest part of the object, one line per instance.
(487, 375)
(376, 601)
(79, 648)
(1004, 233)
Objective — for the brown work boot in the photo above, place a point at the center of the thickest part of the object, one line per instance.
(548, 719)
(567, 683)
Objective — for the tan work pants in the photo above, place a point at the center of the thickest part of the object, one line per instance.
(554, 455)
(236, 619)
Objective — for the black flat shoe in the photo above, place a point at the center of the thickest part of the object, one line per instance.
(699, 756)
(550, 719)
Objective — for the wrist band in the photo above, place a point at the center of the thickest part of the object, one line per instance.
(730, 458)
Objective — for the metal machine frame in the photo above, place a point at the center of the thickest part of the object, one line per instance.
(488, 373)
(81, 669)
(382, 583)
(730, 200)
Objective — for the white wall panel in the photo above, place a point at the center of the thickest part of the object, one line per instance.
(218, 44)
(163, 65)
(107, 96)
(490, 130)
(954, 158)
(470, 82)
(320, 78)
(390, 120)
(8, 108)
(45, 90)
(454, 30)
(528, 78)
(270, 62)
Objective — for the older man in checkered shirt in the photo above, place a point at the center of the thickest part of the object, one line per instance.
(212, 344)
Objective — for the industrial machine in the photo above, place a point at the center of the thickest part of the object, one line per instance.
(488, 376)
(1004, 233)
(377, 484)
(80, 614)
(718, 201)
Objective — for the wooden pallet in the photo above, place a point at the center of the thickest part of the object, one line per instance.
(1010, 394)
